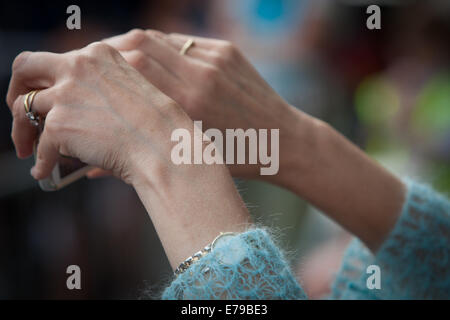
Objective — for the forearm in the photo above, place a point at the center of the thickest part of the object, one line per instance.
(418, 241)
(323, 167)
(190, 205)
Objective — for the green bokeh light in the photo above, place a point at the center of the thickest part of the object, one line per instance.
(431, 117)
(376, 101)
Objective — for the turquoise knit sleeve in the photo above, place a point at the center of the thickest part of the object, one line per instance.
(245, 266)
(414, 260)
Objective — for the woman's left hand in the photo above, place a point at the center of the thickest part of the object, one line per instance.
(97, 108)
(101, 110)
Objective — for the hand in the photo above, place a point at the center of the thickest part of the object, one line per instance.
(213, 82)
(101, 110)
(97, 108)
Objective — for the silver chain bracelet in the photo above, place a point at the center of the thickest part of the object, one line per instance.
(197, 256)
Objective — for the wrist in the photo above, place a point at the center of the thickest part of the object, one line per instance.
(330, 172)
(301, 138)
(149, 161)
(189, 205)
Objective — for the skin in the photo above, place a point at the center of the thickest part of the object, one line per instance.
(102, 111)
(93, 95)
(214, 83)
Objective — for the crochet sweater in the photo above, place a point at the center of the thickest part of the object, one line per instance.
(414, 262)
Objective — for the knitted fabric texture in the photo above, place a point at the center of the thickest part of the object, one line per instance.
(414, 260)
(245, 266)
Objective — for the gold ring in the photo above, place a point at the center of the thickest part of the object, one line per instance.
(189, 43)
(27, 103)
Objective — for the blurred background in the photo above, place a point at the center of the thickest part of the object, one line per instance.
(387, 90)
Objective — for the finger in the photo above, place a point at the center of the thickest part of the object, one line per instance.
(122, 42)
(156, 74)
(212, 51)
(203, 43)
(130, 40)
(151, 43)
(33, 70)
(195, 51)
(47, 156)
(165, 54)
(23, 131)
(98, 173)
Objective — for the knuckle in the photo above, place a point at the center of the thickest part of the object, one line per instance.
(224, 55)
(227, 48)
(99, 48)
(90, 56)
(136, 37)
(20, 60)
(59, 94)
(155, 34)
(65, 89)
(137, 59)
(218, 60)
